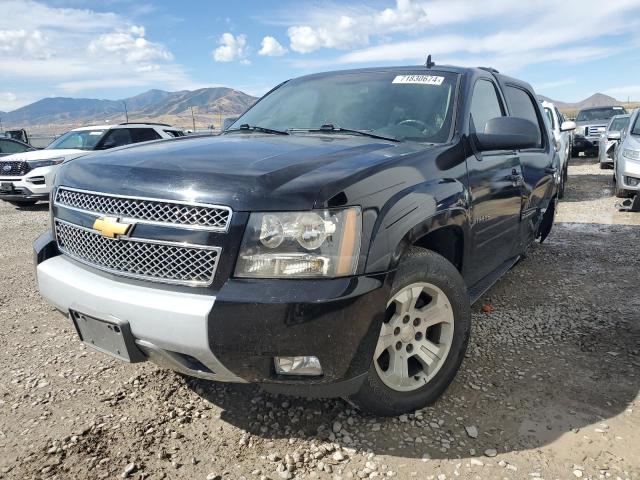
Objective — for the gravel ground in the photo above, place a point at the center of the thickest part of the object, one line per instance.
(549, 388)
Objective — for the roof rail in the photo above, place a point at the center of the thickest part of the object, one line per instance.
(145, 123)
(489, 69)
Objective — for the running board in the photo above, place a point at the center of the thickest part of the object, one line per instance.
(480, 288)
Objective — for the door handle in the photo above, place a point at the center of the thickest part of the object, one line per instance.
(550, 170)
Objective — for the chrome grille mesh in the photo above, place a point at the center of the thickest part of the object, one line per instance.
(146, 210)
(14, 168)
(156, 261)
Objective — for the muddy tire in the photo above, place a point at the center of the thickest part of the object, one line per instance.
(423, 339)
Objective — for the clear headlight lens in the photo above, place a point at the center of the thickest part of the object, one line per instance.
(319, 243)
(631, 154)
(46, 163)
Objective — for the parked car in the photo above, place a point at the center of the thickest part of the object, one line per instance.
(27, 177)
(329, 243)
(590, 124)
(9, 146)
(562, 131)
(627, 159)
(610, 138)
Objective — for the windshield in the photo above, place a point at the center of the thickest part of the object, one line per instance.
(619, 124)
(80, 139)
(414, 107)
(598, 113)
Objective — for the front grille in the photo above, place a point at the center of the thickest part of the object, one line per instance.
(166, 262)
(14, 168)
(592, 131)
(198, 216)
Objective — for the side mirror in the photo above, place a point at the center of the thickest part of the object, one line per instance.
(613, 136)
(508, 133)
(567, 126)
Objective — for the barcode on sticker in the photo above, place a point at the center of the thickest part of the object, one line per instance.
(419, 79)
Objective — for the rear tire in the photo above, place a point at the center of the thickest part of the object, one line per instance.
(427, 361)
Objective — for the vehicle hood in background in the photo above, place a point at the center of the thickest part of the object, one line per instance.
(68, 154)
(246, 171)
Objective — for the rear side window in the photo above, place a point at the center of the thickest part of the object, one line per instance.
(144, 135)
(174, 133)
(116, 137)
(522, 106)
(485, 104)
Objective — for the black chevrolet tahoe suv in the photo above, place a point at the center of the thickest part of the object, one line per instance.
(329, 243)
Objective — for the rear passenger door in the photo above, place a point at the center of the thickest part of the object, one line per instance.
(494, 183)
(538, 167)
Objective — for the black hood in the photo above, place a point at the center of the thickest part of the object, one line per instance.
(246, 171)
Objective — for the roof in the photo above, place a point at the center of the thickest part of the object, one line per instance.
(405, 68)
(601, 107)
(122, 125)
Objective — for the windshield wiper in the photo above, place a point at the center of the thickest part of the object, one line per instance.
(256, 128)
(330, 128)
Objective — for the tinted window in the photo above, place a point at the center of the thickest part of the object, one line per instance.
(117, 138)
(484, 104)
(144, 135)
(174, 133)
(522, 106)
(7, 146)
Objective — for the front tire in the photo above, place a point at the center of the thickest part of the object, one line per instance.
(423, 339)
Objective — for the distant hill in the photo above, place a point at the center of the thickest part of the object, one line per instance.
(209, 106)
(595, 100)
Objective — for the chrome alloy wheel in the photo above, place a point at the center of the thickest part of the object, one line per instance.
(416, 337)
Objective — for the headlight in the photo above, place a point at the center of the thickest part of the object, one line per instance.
(46, 163)
(318, 243)
(631, 154)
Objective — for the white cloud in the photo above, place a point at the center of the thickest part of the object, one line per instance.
(48, 50)
(231, 48)
(23, 43)
(129, 46)
(271, 47)
(354, 25)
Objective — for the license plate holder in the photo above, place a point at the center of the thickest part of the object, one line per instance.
(6, 187)
(112, 337)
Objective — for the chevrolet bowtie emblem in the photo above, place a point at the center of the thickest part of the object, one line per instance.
(111, 227)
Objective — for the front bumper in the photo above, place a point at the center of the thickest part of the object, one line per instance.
(35, 185)
(586, 143)
(625, 169)
(233, 334)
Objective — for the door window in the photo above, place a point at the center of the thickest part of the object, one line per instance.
(522, 106)
(144, 135)
(485, 104)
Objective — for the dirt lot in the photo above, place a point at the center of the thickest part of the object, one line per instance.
(549, 388)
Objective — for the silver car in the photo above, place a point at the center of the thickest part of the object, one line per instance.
(627, 159)
(609, 138)
(562, 131)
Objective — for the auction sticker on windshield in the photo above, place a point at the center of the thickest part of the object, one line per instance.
(419, 79)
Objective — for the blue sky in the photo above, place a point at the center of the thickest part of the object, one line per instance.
(118, 48)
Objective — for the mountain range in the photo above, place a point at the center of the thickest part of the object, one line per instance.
(208, 104)
(595, 100)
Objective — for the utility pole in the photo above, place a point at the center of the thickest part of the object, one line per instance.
(126, 114)
(193, 119)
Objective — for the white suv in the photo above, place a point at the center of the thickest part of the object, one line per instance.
(27, 177)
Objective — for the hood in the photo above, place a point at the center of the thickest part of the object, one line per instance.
(246, 171)
(632, 142)
(68, 154)
(593, 123)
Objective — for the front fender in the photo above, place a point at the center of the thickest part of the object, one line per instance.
(411, 214)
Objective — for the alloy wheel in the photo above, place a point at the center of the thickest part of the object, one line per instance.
(415, 338)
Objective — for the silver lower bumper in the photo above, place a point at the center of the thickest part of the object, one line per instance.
(168, 326)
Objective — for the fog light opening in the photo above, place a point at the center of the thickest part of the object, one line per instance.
(633, 182)
(301, 365)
